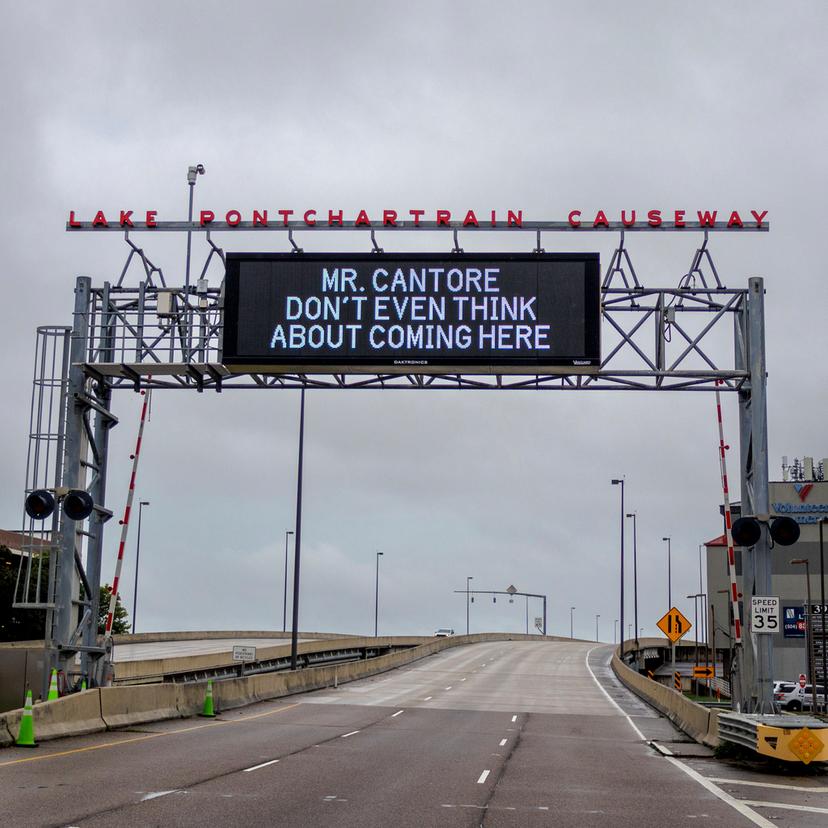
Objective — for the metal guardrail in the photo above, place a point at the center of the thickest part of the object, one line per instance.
(777, 734)
(738, 729)
(271, 665)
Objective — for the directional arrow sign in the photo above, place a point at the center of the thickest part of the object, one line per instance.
(674, 625)
(703, 672)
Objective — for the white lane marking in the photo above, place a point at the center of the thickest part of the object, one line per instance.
(610, 699)
(462, 679)
(346, 735)
(483, 777)
(503, 742)
(809, 808)
(428, 698)
(514, 718)
(661, 749)
(394, 715)
(448, 688)
(263, 765)
(155, 795)
(723, 781)
(738, 805)
(747, 812)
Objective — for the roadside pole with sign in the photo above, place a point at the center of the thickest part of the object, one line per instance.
(243, 654)
(674, 625)
(764, 614)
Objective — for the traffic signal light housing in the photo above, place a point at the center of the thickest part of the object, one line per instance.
(746, 531)
(784, 531)
(77, 504)
(40, 504)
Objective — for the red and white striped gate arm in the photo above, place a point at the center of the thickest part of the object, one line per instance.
(125, 521)
(731, 554)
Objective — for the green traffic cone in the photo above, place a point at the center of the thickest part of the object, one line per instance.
(53, 691)
(208, 712)
(25, 737)
(83, 685)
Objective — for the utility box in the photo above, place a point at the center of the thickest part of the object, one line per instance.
(167, 304)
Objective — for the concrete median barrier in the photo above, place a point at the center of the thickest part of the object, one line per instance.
(6, 738)
(697, 721)
(130, 705)
(73, 715)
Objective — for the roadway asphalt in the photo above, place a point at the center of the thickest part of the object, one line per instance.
(495, 734)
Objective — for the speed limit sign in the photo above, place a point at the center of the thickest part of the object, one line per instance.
(764, 614)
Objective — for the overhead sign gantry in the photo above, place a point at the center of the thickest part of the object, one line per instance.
(532, 322)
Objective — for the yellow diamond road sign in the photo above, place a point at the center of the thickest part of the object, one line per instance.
(806, 744)
(674, 625)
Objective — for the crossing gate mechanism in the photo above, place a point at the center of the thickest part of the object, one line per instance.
(468, 322)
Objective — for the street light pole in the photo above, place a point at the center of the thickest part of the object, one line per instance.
(822, 521)
(141, 504)
(571, 627)
(670, 598)
(192, 174)
(621, 483)
(615, 631)
(696, 620)
(284, 599)
(376, 596)
(297, 546)
(527, 615)
(635, 576)
(469, 579)
(810, 631)
(669, 576)
(597, 616)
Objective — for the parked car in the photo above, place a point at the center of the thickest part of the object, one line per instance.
(790, 696)
(443, 632)
(807, 697)
(787, 695)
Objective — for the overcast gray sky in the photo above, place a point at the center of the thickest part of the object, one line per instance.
(544, 107)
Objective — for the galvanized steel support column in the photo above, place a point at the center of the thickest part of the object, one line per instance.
(91, 664)
(65, 616)
(757, 660)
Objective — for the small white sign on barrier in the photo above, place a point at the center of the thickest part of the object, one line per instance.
(241, 653)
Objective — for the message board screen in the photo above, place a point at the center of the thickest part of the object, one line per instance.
(490, 313)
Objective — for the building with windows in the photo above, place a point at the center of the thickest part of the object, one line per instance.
(803, 495)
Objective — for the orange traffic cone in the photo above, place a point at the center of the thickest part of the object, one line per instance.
(25, 736)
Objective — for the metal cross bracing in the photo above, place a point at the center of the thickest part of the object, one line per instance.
(158, 336)
(690, 337)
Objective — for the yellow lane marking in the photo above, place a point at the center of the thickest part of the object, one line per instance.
(148, 736)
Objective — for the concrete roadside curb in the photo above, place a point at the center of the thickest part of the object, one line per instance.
(6, 737)
(74, 715)
(698, 722)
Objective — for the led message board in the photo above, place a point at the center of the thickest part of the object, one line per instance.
(412, 313)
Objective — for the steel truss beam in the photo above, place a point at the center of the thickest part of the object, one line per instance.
(183, 351)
